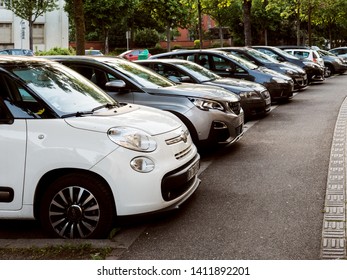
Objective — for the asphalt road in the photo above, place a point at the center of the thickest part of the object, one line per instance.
(261, 198)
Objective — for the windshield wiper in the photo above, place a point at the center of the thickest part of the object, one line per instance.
(107, 105)
(91, 112)
(78, 114)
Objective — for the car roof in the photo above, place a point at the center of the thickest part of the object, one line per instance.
(82, 58)
(165, 60)
(20, 59)
(191, 52)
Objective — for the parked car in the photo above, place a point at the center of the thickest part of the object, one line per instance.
(93, 52)
(17, 52)
(315, 73)
(212, 115)
(224, 64)
(76, 158)
(340, 52)
(133, 55)
(309, 54)
(255, 98)
(333, 63)
(298, 75)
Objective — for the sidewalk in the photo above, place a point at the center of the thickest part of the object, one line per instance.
(334, 221)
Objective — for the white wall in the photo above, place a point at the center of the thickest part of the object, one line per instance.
(56, 29)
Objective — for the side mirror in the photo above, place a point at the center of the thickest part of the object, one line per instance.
(185, 79)
(115, 85)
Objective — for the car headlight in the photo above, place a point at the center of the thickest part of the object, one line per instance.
(249, 94)
(132, 138)
(206, 104)
(279, 80)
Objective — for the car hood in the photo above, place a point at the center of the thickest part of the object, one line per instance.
(237, 85)
(273, 73)
(195, 90)
(151, 120)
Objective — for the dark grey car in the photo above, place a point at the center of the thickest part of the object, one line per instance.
(212, 114)
(298, 74)
(225, 64)
(255, 98)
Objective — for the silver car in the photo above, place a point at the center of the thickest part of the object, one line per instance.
(212, 114)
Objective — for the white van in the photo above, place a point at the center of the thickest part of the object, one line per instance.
(75, 159)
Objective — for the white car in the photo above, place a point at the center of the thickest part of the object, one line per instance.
(75, 159)
(309, 54)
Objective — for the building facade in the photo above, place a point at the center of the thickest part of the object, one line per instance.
(50, 30)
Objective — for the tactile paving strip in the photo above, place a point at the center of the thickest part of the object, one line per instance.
(334, 222)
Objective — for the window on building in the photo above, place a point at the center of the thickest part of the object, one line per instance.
(6, 33)
(38, 34)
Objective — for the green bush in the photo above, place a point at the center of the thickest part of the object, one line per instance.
(57, 51)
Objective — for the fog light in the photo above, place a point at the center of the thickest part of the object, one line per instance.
(142, 164)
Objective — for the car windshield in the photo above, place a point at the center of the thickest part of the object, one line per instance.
(242, 62)
(262, 57)
(140, 74)
(285, 54)
(198, 72)
(64, 90)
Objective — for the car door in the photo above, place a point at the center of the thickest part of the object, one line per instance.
(227, 68)
(13, 137)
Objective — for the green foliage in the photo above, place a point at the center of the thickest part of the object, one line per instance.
(146, 38)
(57, 51)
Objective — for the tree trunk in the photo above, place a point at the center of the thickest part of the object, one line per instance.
(106, 50)
(200, 25)
(247, 6)
(80, 28)
(221, 37)
(168, 38)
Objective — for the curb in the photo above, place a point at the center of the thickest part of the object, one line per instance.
(334, 222)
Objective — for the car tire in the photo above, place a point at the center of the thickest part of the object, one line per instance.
(77, 206)
(329, 70)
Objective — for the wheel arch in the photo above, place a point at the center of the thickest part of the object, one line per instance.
(52, 175)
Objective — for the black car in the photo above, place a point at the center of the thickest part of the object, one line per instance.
(315, 73)
(298, 75)
(224, 64)
(255, 98)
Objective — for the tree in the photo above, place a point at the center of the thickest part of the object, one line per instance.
(30, 10)
(75, 9)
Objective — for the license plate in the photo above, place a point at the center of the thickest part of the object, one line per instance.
(267, 101)
(193, 170)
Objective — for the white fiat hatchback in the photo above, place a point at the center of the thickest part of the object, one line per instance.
(75, 159)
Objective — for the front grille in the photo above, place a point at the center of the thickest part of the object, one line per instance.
(183, 153)
(235, 107)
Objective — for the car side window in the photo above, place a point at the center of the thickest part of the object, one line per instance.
(168, 71)
(20, 102)
(203, 61)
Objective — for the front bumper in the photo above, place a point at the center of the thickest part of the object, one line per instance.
(281, 91)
